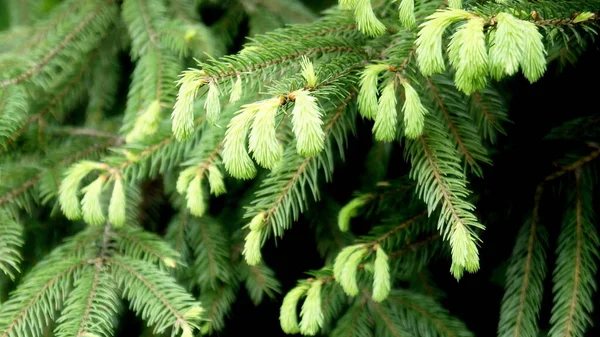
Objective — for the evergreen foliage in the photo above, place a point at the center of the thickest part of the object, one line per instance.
(151, 151)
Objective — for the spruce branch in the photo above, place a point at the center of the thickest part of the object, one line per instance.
(91, 306)
(577, 257)
(38, 295)
(285, 200)
(458, 123)
(435, 164)
(168, 304)
(103, 13)
(142, 245)
(11, 234)
(17, 128)
(524, 289)
(421, 314)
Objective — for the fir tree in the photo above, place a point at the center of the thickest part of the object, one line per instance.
(151, 149)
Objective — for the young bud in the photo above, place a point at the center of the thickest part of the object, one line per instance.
(195, 197)
(258, 221)
(407, 13)
(429, 42)
(533, 62)
(367, 96)
(414, 112)
(146, 124)
(349, 211)
(366, 19)
(212, 105)
(235, 157)
(183, 111)
(263, 142)
(236, 91)
(506, 46)
(288, 315)
(312, 313)
(252, 248)
(468, 55)
(387, 115)
(381, 276)
(308, 72)
(307, 124)
(348, 277)
(116, 207)
(91, 204)
(215, 181)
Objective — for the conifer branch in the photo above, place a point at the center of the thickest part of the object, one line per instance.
(577, 257)
(399, 228)
(413, 246)
(44, 287)
(152, 149)
(384, 315)
(54, 102)
(525, 277)
(40, 64)
(574, 166)
(138, 280)
(218, 74)
(11, 240)
(467, 141)
(31, 182)
(70, 8)
(282, 206)
(461, 146)
(421, 314)
(142, 245)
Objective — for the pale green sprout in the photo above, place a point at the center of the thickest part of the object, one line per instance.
(69, 187)
(307, 124)
(455, 4)
(258, 221)
(341, 258)
(195, 198)
(387, 115)
(235, 156)
(348, 276)
(584, 16)
(367, 96)
(183, 111)
(311, 313)
(533, 61)
(195, 313)
(467, 53)
(215, 181)
(406, 13)
(212, 105)
(116, 207)
(365, 17)
(308, 72)
(506, 46)
(429, 42)
(464, 250)
(253, 242)
(381, 276)
(414, 112)
(349, 211)
(236, 91)
(91, 204)
(183, 181)
(146, 124)
(347, 4)
(169, 262)
(288, 314)
(263, 142)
